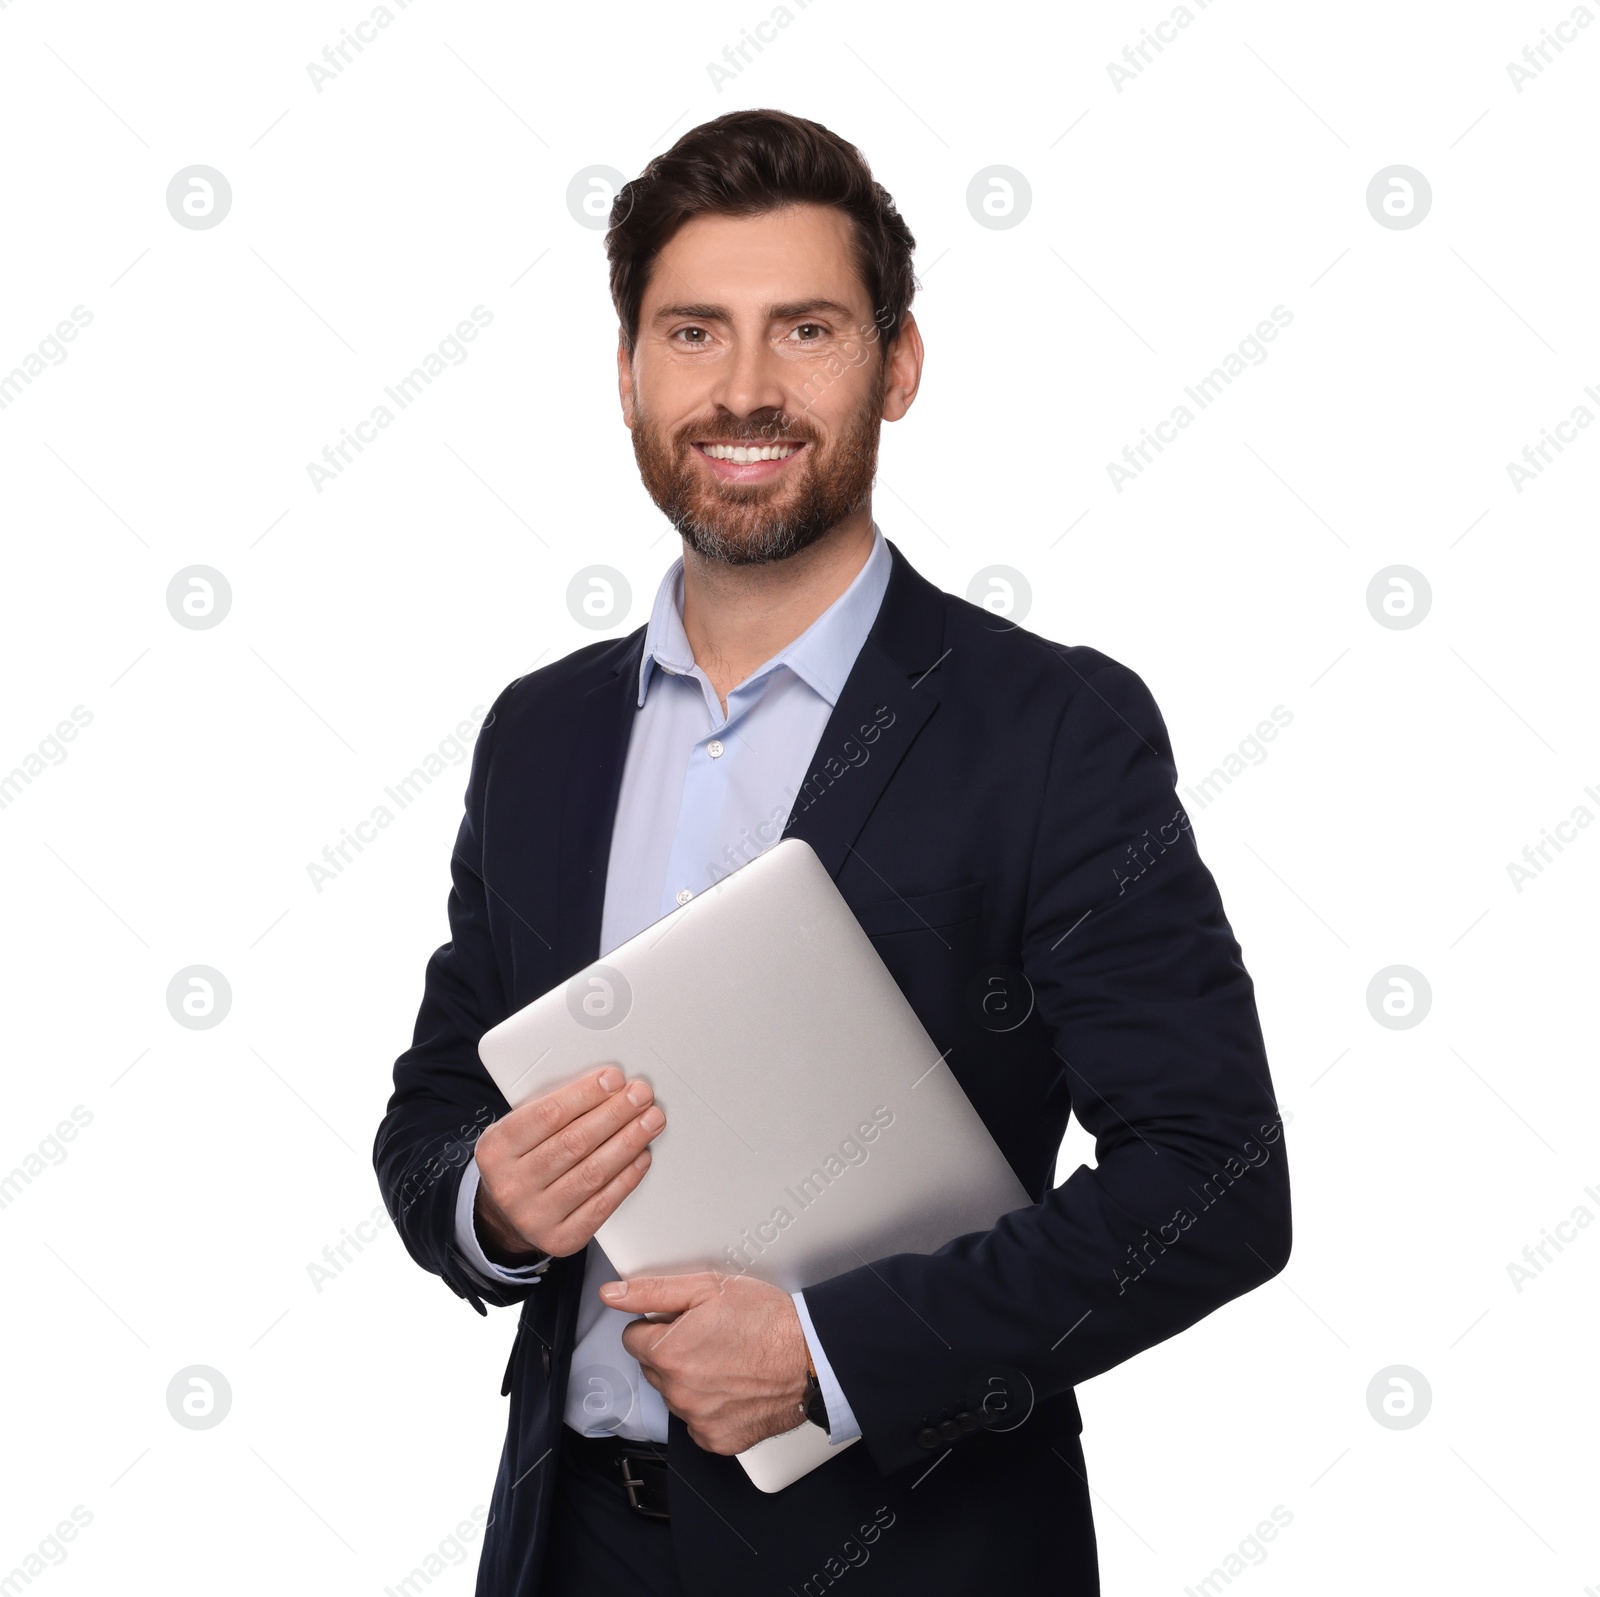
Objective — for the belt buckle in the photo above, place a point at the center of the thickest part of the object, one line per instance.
(632, 1487)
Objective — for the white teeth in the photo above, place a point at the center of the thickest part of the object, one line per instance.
(741, 455)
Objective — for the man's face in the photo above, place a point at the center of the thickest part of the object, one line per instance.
(756, 334)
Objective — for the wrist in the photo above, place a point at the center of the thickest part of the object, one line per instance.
(501, 1242)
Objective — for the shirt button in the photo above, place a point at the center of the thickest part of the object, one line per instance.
(714, 749)
(684, 895)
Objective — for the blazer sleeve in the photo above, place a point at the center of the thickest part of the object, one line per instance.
(1138, 977)
(443, 1097)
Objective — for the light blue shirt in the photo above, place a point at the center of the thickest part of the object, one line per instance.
(702, 793)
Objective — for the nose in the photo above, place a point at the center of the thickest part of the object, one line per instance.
(749, 382)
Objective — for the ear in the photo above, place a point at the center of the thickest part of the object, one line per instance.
(904, 375)
(625, 383)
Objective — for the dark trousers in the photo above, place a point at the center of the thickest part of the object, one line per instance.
(599, 1546)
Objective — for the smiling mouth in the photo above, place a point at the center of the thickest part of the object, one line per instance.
(748, 462)
(745, 454)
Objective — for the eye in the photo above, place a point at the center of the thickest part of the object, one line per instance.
(694, 342)
(815, 328)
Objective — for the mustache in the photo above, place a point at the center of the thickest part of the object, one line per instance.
(767, 432)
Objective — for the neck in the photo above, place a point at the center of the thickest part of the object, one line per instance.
(737, 617)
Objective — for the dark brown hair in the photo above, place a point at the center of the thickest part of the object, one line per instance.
(748, 163)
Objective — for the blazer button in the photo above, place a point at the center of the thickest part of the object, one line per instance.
(928, 1437)
(544, 1353)
(949, 1430)
(968, 1421)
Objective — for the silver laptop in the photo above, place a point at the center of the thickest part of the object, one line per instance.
(812, 1125)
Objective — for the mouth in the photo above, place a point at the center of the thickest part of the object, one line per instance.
(749, 462)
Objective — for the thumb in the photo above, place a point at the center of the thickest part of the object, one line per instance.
(658, 1294)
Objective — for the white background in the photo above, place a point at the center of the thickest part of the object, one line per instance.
(1168, 218)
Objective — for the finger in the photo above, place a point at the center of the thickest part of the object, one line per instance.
(650, 1373)
(581, 1223)
(542, 1118)
(578, 1162)
(642, 1339)
(647, 1294)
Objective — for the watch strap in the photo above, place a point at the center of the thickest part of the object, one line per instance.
(815, 1404)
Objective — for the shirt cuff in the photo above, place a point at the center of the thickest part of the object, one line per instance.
(472, 1250)
(842, 1426)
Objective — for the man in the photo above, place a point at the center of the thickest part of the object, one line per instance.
(998, 811)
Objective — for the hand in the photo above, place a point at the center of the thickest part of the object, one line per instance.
(731, 1363)
(552, 1171)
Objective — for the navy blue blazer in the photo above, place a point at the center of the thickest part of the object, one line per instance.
(999, 812)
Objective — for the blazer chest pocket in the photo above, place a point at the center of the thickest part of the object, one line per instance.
(924, 912)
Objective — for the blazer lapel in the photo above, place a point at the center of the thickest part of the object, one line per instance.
(589, 809)
(886, 701)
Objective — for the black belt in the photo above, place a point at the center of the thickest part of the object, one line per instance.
(638, 1468)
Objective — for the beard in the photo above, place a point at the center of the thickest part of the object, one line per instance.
(747, 524)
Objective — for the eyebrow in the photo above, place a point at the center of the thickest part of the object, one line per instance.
(775, 313)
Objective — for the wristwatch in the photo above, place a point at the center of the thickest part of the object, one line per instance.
(814, 1404)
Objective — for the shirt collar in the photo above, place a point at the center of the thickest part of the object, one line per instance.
(821, 656)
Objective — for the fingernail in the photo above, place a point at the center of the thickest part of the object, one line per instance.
(653, 1119)
(610, 1079)
(638, 1094)
(643, 1161)
(613, 1289)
